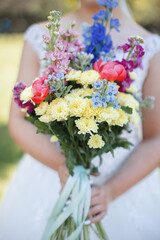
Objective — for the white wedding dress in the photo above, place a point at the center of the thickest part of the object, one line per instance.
(27, 205)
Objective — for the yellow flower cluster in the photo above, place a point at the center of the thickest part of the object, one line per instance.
(127, 100)
(112, 116)
(26, 95)
(132, 89)
(75, 104)
(41, 109)
(130, 101)
(85, 78)
(86, 125)
(96, 141)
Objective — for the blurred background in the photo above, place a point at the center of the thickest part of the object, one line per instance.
(15, 17)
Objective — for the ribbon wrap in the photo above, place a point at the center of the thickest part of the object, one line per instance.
(78, 188)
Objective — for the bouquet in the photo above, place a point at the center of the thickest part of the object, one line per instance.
(84, 99)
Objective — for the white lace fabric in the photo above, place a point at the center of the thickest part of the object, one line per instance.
(35, 188)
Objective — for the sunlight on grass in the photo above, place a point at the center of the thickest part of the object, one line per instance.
(10, 49)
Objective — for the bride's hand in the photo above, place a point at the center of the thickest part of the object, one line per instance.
(63, 174)
(99, 204)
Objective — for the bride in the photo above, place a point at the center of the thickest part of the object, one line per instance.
(126, 196)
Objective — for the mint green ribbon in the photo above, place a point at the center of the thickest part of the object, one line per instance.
(78, 187)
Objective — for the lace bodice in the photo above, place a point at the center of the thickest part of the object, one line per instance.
(151, 45)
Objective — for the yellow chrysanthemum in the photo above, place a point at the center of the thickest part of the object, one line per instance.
(46, 118)
(89, 111)
(26, 95)
(135, 118)
(132, 89)
(108, 115)
(87, 92)
(122, 119)
(53, 139)
(73, 75)
(41, 109)
(59, 111)
(52, 104)
(127, 100)
(89, 77)
(96, 141)
(133, 75)
(77, 106)
(86, 125)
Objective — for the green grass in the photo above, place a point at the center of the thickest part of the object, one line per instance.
(10, 53)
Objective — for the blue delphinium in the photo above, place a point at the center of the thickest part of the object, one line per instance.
(101, 15)
(114, 23)
(98, 32)
(96, 37)
(108, 3)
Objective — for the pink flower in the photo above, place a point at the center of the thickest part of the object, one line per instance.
(46, 38)
(40, 90)
(111, 71)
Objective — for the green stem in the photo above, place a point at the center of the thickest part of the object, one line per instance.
(71, 226)
(96, 232)
(101, 231)
(129, 54)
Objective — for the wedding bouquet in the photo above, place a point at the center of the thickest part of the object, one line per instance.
(84, 99)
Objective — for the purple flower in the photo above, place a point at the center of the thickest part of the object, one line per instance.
(126, 47)
(128, 65)
(18, 88)
(125, 84)
(114, 23)
(139, 51)
(16, 93)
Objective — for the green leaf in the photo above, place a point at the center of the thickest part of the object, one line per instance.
(58, 94)
(127, 109)
(29, 118)
(110, 105)
(70, 126)
(40, 125)
(67, 90)
(88, 97)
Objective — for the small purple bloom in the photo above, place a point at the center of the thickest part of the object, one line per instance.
(16, 93)
(126, 47)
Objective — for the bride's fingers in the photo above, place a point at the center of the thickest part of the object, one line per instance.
(95, 191)
(98, 217)
(95, 210)
(97, 200)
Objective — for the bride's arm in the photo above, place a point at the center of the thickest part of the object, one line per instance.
(23, 132)
(143, 160)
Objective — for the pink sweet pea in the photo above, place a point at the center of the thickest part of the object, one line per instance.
(40, 90)
(111, 71)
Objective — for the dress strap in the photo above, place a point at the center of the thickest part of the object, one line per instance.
(33, 35)
(152, 45)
